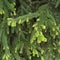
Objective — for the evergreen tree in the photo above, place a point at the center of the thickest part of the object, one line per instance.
(29, 29)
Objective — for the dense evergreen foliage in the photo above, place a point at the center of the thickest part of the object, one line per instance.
(29, 29)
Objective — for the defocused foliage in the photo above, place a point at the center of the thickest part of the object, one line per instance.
(29, 29)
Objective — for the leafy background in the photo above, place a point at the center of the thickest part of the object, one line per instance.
(29, 29)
